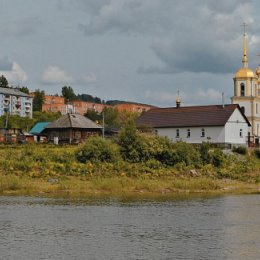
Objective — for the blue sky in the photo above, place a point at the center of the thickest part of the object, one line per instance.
(136, 50)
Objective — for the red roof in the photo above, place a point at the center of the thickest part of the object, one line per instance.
(212, 115)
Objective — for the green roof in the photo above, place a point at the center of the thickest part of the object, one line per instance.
(39, 127)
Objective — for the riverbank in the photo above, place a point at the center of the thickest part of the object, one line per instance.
(121, 186)
(53, 170)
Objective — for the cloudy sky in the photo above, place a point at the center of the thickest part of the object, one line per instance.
(135, 50)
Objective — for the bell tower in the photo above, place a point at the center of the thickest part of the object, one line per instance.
(246, 85)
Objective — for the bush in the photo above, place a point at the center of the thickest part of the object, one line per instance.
(240, 150)
(205, 153)
(97, 149)
(256, 153)
(186, 153)
(218, 158)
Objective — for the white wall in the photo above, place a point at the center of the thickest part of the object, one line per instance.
(247, 106)
(214, 134)
(232, 129)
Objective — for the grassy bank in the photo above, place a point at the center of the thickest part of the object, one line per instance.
(121, 186)
(53, 170)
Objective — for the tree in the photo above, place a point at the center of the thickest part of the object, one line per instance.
(24, 90)
(38, 100)
(3, 82)
(93, 115)
(68, 93)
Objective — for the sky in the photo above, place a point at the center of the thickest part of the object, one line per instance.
(134, 50)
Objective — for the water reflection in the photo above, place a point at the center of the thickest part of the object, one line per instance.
(182, 227)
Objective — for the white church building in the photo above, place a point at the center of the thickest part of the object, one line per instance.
(225, 125)
(232, 124)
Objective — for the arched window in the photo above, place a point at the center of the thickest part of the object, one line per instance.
(256, 108)
(242, 89)
(243, 110)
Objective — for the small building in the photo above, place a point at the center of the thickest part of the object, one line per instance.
(37, 131)
(219, 124)
(71, 128)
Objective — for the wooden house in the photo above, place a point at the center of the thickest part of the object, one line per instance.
(71, 128)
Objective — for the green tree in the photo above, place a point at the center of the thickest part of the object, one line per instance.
(111, 116)
(45, 116)
(3, 82)
(93, 115)
(24, 90)
(38, 100)
(68, 93)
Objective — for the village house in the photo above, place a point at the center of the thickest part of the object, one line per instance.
(71, 128)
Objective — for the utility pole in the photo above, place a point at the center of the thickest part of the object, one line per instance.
(103, 123)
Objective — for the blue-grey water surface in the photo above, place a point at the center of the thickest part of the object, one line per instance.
(226, 227)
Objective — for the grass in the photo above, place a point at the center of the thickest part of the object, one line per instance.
(118, 186)
(51, 170)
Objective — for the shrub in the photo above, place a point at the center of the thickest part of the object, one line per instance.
(205, 153)
(240, 150)
(186, 153)
(256, 153)
(97, 149)
(218, 158)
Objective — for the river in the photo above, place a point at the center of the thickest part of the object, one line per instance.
(225, 227)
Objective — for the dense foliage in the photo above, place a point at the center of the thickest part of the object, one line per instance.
(97, 149)
(26, 123)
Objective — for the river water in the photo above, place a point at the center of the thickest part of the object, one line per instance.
(226, 227)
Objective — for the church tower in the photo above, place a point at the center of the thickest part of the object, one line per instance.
(246, 93)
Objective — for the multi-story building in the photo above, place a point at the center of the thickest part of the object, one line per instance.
(133, 107)
(15, 102)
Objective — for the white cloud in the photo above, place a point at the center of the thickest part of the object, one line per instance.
(209, 94)
(16, 75)
(56, 75)
(89, 78)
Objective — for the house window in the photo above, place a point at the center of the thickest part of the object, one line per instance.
(202, 132)
(177, 133)
(243, 110)
(242, 89)
(188, 133)
(241, 132)
(256, 108)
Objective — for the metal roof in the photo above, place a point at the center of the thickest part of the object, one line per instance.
(73, 121)
(13, 92)
(38, 127)
(212, 115)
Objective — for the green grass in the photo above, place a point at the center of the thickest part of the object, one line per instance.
(49, 169)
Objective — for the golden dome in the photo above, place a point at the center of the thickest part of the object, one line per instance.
(245, 73)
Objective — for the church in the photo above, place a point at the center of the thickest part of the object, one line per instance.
(228, 125)
(247, 95)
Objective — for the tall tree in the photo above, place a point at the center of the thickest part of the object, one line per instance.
(3, 82)
(68, 93)
(38, 100)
